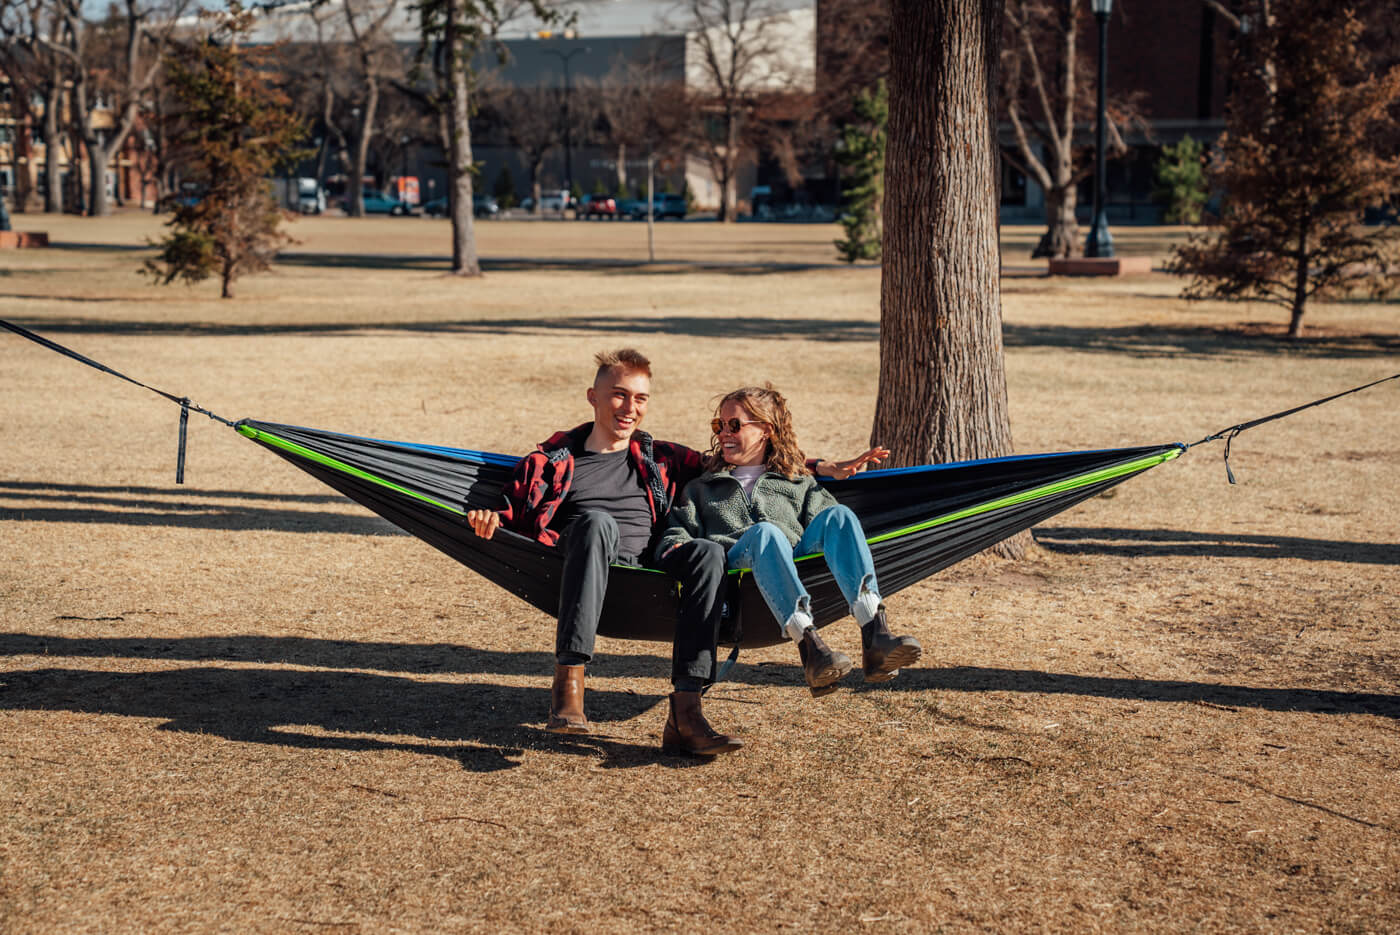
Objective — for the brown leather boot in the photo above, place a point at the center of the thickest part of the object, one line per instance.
(687, 732)
(566, 702)
(883, 653)
(822, 665)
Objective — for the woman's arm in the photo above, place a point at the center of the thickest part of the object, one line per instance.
(682, 523)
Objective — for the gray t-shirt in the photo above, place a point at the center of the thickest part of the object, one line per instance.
(609, 482)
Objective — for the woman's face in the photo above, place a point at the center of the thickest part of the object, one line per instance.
(749, 445)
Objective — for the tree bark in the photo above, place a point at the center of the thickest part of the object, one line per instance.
(459, 170)
(53, 101)
(356, 202)
(942, 390)
(1061, 237)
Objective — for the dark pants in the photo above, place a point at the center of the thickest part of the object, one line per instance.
(699, 566)
(590, 546)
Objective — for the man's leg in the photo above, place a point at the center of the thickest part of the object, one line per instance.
(699, 567)
(590, 546)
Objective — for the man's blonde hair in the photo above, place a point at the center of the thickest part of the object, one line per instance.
(627, 360)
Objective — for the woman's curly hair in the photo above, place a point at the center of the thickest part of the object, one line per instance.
(764, 404)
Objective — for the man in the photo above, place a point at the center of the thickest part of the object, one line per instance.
(597, 492)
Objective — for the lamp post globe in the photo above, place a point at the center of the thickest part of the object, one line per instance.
(1100, 242)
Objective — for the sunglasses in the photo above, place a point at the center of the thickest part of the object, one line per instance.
(733, 425)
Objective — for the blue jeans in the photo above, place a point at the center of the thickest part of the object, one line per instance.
(836, 532)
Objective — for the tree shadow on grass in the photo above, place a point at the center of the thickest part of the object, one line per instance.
(484, 727)
(515, 707)
(1133, 543)
(187, 509)
(315, 653)
(1311, 701)
(612, 266)
(698, 326)
(1198, 342)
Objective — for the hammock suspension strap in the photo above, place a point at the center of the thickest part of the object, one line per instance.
(183, 402)
(1229, 433)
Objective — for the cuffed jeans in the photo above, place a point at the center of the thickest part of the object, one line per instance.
(836, 533)
(590, 547)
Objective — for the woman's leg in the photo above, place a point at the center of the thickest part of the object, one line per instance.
(837, 533)
(764, 549)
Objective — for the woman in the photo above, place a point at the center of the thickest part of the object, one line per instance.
(758, 499)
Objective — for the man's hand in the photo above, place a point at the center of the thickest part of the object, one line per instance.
(484, 522)
(840, 470)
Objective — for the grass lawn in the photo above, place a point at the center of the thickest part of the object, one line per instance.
(244, 704)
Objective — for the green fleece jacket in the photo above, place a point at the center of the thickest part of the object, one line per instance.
(713, 506)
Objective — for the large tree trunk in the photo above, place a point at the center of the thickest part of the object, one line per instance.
(942, 375)
(459, 169)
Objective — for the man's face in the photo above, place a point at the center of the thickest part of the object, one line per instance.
(619, 400)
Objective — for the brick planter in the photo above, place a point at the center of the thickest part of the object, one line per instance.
(23, 239)
(1101, 266)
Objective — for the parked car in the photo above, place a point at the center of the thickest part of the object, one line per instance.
(596, 206)
(551, 202)
(483, 206)
(377, 202)
(666, 206)
(311, 197)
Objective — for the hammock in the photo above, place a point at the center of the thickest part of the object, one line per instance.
(917, 520)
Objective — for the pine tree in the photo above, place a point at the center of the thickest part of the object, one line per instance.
(1181, 181)
(238, 130)
(1298, 164)
(505, 189)
(862, 155)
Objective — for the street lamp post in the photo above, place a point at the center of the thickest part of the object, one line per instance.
(568, 130)
(1100, 242)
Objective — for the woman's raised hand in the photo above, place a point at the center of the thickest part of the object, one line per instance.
(840, 470)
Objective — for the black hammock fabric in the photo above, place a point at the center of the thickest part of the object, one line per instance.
(917, 520)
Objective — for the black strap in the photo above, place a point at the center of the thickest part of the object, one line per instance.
(725, 667)
(183, 402)
(1230, 433)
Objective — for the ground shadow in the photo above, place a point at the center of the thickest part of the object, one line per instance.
(1312, 701)
(1132, 543)
(609, 265)
(456, 659)
(137, 506)
(1201, 342)
(727, 326)
(314, 653)
(484, 727)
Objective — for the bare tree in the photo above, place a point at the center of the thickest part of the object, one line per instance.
(942, 373)
(452, 31)
(740, 55)
(30, 31)
(527, 117)
(644, 107)
(114, 63)
(1048, 91)
(376, 59)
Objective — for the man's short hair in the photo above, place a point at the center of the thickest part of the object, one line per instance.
(626, 359)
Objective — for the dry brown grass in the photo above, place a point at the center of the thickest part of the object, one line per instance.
(244, 705)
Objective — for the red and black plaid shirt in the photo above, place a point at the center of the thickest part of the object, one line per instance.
(542, 479)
